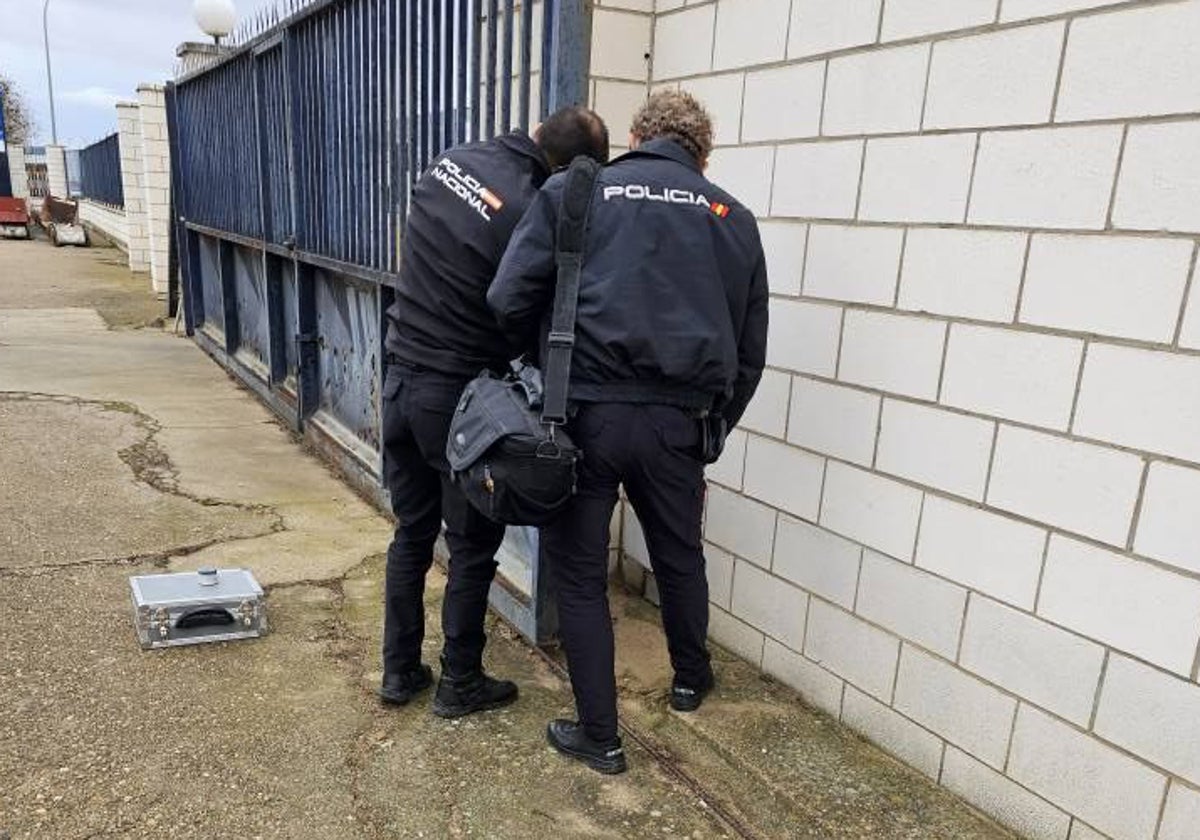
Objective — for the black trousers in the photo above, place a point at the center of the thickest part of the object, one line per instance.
(417, 407)
(652, 450)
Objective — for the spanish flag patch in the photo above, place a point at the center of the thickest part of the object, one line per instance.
(721, 210)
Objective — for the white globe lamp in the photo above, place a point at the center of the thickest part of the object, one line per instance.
(215, 17)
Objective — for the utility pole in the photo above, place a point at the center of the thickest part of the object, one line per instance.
(49, 75)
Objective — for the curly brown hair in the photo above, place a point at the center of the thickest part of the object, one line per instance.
(679, 116)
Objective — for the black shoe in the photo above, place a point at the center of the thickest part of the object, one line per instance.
(686, 698)
(400, 689)
(477, 692)
(568, 738)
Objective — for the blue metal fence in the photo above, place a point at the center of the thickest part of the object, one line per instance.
(293, 158)
(100, 172)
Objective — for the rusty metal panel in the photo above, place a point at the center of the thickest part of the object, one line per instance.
(348, 325)
(254, 334)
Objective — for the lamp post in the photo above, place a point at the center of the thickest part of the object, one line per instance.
(49, 75)
(214, 17)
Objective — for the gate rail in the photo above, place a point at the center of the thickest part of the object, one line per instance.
(100, 172)
(293, 157)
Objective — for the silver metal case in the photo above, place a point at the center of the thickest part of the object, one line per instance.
(190, 608)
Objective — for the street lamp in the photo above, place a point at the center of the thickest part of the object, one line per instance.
(215, 17)
(49, 75)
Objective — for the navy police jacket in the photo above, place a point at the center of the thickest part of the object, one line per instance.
(463, 212)
(673, 293)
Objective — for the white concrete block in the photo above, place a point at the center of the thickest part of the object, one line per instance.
(1001, 78)
(1001, 799)
(1015, 375)
(911, 603)
(784, 103)
(1133, 606)
(620, 43)
(1023, 9)
(877, 92)
(683, 42)
(1168, 528)
(1159, 188)
(750, 32)
(719, 567)
(817, 180)
(1135, 63)
(858, 264)
(895, 733)
(770, 604)
(870, 509)
(1082, 775)
(1082, 831)
(768, 410)
(736, 635)
(1124, 286)
(955, 705)
(721, 96)
(1189, 335)
(834, 420)
(616, 103)
(1054, 178)
(817, 560)
(964, 273)
(1182, 814)
(981, 550)
(729, 469)
(784, 244)
(910, 18)
(1141, 398)
(633, 5)
(745, 173)
(935, 447)
(1083, 488)
(740, 525)
(852, 649)
(894, 353)
(1046, 665)
(784, 477)
(820, 26)
(816, 686)
(804, 336)
(1153, 715)
(917, 179)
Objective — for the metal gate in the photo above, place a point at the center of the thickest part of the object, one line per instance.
(293, 158)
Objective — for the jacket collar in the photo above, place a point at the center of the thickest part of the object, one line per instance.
(521, 143)
(664, 148)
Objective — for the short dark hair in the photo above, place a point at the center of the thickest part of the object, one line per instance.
(570, 132)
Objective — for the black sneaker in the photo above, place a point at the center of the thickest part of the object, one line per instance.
(400, 689)
(568, 738)
(477, 692)
(685, 698)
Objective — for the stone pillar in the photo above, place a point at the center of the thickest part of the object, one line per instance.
(156, 180)
(16, 170)
(56, 171)
(193, 55)
(129, 131)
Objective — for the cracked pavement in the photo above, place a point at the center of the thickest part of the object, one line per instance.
(125, 450)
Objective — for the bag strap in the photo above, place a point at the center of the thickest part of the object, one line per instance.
(568, 256)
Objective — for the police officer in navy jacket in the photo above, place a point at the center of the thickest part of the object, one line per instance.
(670, 341)
(441, 335)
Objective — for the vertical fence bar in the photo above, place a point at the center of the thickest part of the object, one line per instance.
(490, 116)
(227, 266)
(506, 80)
(572, 53)
(448, 77)
(404, 123)
(476, 81)
(434, 92)
(526, 61)
(547, 57)
(462, 62)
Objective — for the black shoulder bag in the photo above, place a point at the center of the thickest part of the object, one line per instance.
(507, 448)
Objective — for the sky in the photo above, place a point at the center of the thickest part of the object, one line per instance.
(100, 51)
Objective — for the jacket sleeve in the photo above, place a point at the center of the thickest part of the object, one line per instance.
(752, 344)
(523, 289)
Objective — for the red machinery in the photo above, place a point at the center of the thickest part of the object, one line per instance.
(14, 218)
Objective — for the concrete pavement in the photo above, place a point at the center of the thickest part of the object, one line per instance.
(124, 449)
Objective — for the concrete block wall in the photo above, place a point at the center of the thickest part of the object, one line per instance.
(963, 512)
(18, 177)
(56, 171)
(129, 136)
(156, 181)
(110, 221)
